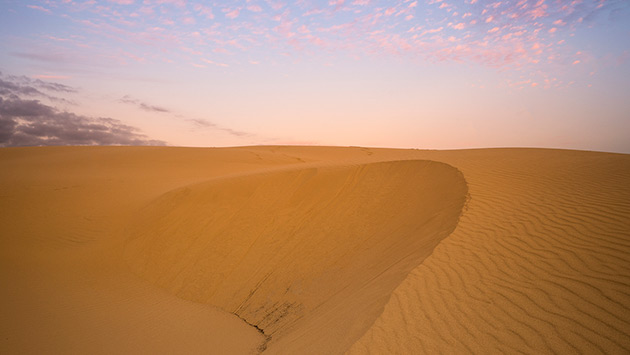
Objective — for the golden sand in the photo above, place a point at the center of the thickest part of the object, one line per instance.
(313, 250)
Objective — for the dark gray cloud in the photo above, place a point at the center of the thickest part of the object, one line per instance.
(31, 123)
(7, 88)
(45, 85)
(143, 105)
(18, 86)
(24, 108)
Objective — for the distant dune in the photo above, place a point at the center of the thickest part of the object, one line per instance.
(313, 250)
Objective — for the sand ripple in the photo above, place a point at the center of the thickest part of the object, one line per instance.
(539, 262)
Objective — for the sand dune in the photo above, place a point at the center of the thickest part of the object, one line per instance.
(325, 250)
(310, 248)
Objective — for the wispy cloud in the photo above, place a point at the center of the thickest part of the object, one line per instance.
(201, 123)
(42, 56)
(143, 105)
(232, 14)
(122, 2)
(39, 8)
(196, 122)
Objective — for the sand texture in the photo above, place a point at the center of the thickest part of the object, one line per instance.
(316, 250)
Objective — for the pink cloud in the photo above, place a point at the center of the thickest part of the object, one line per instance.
(459, 26)
(312, 12)
(204, 10)
(146, 10)
(122, 2)
(133, 56)
(276, 5)
(434, 30)
(254, 8)
(38, 8)
(215, 63)
(539, 11)
(178, 3)
(233, 14)
(317, 41)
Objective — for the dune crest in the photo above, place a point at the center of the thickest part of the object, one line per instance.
(313, 248)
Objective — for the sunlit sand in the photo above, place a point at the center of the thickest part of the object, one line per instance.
(313, 250)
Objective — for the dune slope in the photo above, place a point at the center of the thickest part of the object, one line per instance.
(66, 288)
(309, 255)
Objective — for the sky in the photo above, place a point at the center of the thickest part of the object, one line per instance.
(436, 74)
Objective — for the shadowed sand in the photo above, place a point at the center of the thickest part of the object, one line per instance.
(325, 250)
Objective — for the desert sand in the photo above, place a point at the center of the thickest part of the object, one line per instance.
(313, 250)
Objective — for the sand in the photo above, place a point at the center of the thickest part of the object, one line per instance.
(313, 250)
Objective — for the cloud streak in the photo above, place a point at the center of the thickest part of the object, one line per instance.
(143, 105)
(207, 124)
(197, 122)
